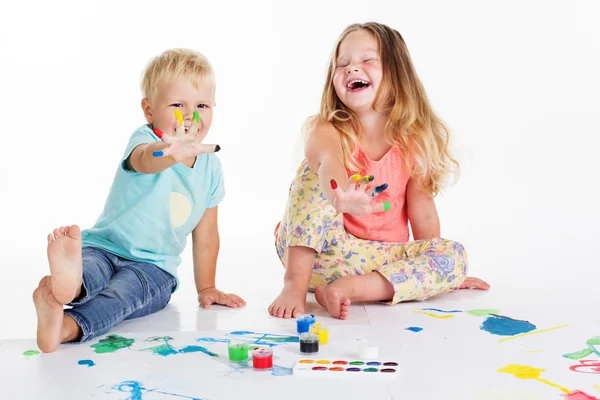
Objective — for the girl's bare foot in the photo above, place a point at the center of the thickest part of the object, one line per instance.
(50, 316)
(334, 299)
(474, 283)
(289, 303)
(64, 257)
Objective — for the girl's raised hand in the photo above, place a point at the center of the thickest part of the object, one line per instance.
(359, 198)
(184, 145)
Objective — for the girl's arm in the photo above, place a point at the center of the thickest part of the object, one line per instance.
(422, 213)
(323, 152)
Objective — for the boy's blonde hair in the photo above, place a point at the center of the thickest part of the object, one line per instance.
(412, 126)
(172, 64)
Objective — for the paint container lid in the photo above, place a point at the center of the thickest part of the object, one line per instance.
(368, 350)
(305, 317)
(261, 352)
(309, 337)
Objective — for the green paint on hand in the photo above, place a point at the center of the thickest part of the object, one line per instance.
(112, 343)
(386, 206)
(196, 116)
(483, 312)
(30, 353)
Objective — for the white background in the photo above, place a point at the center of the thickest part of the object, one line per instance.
(517, 82)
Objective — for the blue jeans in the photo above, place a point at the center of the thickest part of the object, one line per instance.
(115, 289)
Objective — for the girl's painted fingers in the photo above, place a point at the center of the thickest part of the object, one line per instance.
(378, 189)
(195, 127)
(364, 182)
(353, 181)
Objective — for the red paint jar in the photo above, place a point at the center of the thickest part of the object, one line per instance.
(262, 358)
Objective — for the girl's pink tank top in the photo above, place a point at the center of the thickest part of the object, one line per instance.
(390, 226)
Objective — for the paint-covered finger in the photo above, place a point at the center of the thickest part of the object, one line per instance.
(378, 189)
(195, 127)
(364, 181)
(158, 133)
(160, 149)
(353, 181)
(180, 123)
(207, 148)
(381, 207)
(474, 283)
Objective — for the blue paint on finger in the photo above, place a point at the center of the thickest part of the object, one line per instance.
(158, 153)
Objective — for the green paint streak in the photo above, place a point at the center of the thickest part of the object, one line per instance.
(356, 363)
(30, 353)
(579, 354)
(112, 343)
(483, 312)
(196, 116)
(595, 341)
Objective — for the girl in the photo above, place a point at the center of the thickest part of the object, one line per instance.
(347, 238)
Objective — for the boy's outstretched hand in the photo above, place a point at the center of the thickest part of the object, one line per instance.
(186, 142)
(209, 296)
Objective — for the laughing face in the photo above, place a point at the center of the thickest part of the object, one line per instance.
(358, 71)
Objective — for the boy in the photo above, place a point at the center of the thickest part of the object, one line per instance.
(167, 186)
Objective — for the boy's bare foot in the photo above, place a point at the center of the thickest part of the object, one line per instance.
(64, 256)
(289, 303)
(50, 316)
(333, 297)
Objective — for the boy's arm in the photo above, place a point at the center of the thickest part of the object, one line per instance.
(143, 161)
(206, 243)
(422, 213)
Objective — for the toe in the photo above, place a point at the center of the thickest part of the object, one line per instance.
(280, 311)
(288, 312)
(56, 233)
(50, 238)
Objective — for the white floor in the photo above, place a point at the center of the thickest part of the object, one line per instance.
(450, 358)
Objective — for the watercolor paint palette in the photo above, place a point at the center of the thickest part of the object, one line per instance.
(347, 369)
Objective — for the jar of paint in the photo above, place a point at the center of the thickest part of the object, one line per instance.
(238, 350)
(304, 322)
(262, 358)
(309, 343)
(368, 350)
(322, 331)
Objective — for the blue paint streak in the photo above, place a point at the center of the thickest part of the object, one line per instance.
(137, 391)
(196, 349)
(438, 310)
(212, 340)
(242, 333)
(414, 328)
(505, 326)
(281, 371)
(89, 363)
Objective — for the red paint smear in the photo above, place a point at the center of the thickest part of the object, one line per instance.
(333, 184)
(593, 367)
(158, 133)
(579, 395)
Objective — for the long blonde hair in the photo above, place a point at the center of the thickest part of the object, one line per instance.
(412, 126)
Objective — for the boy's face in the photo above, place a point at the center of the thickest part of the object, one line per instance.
(181, 94)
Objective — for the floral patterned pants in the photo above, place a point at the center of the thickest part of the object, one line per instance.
(417, 270)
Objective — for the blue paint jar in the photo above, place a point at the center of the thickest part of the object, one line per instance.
(304, 322)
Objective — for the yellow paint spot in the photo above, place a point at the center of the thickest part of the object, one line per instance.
(534, 351)
(533, 333)
(527, 372)
(355, 178)
(306, 361)
(433, 315)
(597, 387)
(179, 117)
(323, 362)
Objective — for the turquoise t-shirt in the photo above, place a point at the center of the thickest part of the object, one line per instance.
(148, 217)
